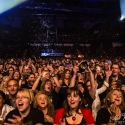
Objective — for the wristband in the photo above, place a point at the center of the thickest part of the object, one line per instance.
(111, 120)
(117, 117)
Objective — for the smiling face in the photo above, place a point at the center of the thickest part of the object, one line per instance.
(88, 85)
(11, 71)
(5, 80)
(97, 69)
(47, 75)
(42, 101)
(22, 102)
(106, 66)
(31, 79)
(16, 75)
(12, 87)
(116, 97)
(73, 100)
(115, 69)
(67, 74)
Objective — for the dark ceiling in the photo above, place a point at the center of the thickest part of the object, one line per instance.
(59, 7)
(63, 20)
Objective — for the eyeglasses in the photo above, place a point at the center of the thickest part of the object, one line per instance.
(22, 97)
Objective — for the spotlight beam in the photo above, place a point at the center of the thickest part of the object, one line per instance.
(122, 7)
(8, 4)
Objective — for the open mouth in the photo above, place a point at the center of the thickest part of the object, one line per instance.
(49, 88)
(12, 90)
(20, 104)
(117, 100)
(42, 102)
(72, 102)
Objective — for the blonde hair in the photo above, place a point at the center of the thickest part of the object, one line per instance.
(44, 74)
(122, 105)
(49, 103)
(28, 93)
(5, 77)
(2, 88)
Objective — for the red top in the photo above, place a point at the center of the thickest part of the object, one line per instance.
(86, 114)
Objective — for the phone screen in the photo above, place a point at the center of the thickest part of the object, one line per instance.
(119, 83)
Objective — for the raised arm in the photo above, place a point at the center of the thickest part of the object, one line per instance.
(55, 78)
(105, 84)
(58, 86)
(73, 80)
(103, 88)
(93, 88)
(21, 66)
(33, 68)
(37, 80)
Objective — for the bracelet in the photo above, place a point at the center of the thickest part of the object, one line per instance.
(117, 117)
(111, 120)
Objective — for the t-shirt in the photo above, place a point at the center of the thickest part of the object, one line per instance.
(35, 116)
(103, 117)
(54, 97)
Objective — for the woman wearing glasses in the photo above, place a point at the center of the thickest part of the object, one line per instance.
(24, 114)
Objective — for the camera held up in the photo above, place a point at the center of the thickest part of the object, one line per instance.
(83, 66)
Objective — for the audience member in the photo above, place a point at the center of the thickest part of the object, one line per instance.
(4, 108)
(113, 110)
(12, 87)
(73, 111)
(44, 104)
(24, 113)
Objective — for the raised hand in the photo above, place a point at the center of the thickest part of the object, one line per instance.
(16, 120)
(62, 122)
(115, 111)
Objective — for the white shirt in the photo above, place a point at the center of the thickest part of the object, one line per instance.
(96, 103)
(5, 110)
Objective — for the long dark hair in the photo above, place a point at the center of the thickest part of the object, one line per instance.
(63, 75)
(76, 91)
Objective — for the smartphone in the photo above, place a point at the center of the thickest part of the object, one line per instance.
(25, 74)
(119, 83)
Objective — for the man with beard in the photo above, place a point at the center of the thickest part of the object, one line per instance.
(12, 87)
(29, 81)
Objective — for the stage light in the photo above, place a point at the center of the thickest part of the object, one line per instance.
(122, 17)
(122, 7)
(8, 4)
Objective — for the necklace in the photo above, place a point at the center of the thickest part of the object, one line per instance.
(74, 117)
